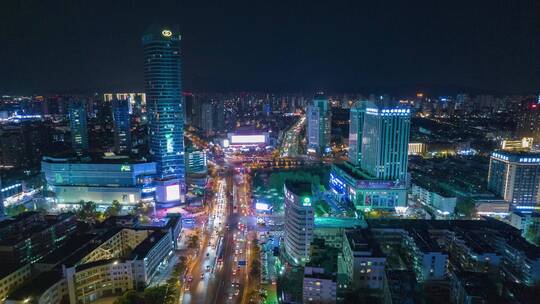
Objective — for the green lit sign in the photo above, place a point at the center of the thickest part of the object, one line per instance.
(306, 202)
(125, 168)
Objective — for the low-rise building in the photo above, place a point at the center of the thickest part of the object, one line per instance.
(441, 202)
(362, 261)
(349, 183)
(91, 281)
(31, 236)
(47, 288)
(12, 277)
(319, 286)
(100, 180)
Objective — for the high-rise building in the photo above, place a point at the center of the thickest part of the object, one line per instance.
(385, 141)
(319, 125)
(207, 121)
(122, 126)
(515, 176)
(356, 125)
(166, 110)
(528, 122)
(78, 127)
(299, 221)
(196, 161)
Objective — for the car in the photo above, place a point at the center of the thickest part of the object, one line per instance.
(236, 291)
(187, 287)
(190, 278)
(202, 275)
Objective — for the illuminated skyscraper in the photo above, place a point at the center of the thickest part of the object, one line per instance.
(515, 176)
(318, 125)
(78, 127)
(299, 221)
(122, 126)
(162, 73)
(385, 142)
(357, 114)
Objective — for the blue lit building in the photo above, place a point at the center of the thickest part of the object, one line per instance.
(349, 183)
(318, 125)
(515, 176)
(385, 142)
(99, 180)
(164, 101)
(78, 127)
(375, 177)
(356, 126)
(122, 126)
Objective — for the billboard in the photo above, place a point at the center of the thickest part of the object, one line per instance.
(248, 139)
(172, 193)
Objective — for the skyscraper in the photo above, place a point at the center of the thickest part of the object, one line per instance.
(207, 117)
(319, 125)
(515, 176)
(385, 141)
(78, 127)
(122, 126)
(299, 220)
(162, 74)
(528, 121)
(356, 125)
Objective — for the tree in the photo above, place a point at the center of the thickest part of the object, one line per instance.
(466, 207)
(87, 211)
(154, 294)
(114, 209)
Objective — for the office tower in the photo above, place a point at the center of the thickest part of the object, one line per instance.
(162, 74)
(299, 221)
(528, 122)
(356, 125)
(122, 126)
(219, 116)
(207, 117)
(189, 100)
(515, 177)
(196, 161)
(319, 125)
(78, 127)
(385, 140)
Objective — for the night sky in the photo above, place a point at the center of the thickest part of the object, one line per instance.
(75, 46)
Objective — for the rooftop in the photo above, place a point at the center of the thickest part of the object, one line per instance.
(299, 188)
(361, 241)
(145, 246)
(36, 286)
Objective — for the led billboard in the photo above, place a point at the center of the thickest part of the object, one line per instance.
(172, 193)
(248, 139)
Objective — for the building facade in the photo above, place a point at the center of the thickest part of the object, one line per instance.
(319, 125)
(78, 126)
(162, 74)
(515, 177)
(101, 181)
(349, 183)
(385, 142)
(299, 221)
(122, 126)
(356, 126)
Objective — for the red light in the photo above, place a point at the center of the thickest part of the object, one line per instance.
(534, 106)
